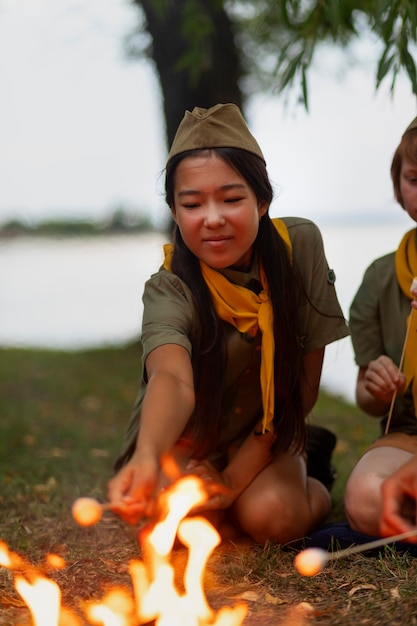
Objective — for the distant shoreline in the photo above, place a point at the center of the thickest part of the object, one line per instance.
(122, 222)
(119, 223)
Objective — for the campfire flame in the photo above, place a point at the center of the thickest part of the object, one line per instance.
(156, 597)
(38, 595)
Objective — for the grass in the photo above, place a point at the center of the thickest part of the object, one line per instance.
(62, 418)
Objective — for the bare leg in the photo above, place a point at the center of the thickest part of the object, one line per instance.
(363, 489)
(282, 504)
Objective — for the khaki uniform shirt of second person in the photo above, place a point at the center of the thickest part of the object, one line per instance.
(378, 325)
(170, 317)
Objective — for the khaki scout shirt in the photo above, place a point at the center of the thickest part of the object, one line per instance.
(377, 322)
(169, 317)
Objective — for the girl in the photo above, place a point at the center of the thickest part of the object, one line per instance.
(234, 330)
(378, 321)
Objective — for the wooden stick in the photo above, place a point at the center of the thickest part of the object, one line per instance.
(371, 545)
(311, 561)
(400, 368)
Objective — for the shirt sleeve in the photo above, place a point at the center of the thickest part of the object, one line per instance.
(321, 318)
(168, 313)
(364, 320)
(378, 313)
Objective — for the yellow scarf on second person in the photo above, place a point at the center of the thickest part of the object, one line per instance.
(406, 269)
(248, 312)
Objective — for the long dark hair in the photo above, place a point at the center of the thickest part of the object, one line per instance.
(209, 352)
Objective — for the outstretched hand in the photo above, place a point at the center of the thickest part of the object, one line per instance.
(132, 491)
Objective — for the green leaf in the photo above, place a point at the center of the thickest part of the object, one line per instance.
(410, 68)
(304, 87)
(384, 65)
(385, 25)
(384, 5)
(289, 72)
(411, 17)
(394, 78)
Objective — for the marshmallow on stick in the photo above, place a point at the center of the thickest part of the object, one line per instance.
(311, 561)
(88, 511)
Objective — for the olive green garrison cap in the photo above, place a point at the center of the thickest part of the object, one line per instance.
(221, 126)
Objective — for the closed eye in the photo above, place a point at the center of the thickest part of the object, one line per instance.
(232, 200)
(190, 205)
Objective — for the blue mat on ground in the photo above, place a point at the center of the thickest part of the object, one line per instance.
(339, 535)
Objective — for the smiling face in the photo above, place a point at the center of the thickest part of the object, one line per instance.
(408, 187)
(216, 211)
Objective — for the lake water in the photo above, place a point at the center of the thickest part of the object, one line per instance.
(80, 293)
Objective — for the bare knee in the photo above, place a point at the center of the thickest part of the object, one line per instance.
(271, 518)
(319, 500)
(363, 502)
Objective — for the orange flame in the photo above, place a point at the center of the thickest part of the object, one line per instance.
(38, 595)
(156, 597)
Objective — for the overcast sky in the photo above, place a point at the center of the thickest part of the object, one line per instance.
(81, 128)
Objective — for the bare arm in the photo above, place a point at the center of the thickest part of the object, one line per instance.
(313, 364)
(169, 399)
(167, 407)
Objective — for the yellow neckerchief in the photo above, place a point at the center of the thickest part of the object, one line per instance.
(247, 312)
(406, 269)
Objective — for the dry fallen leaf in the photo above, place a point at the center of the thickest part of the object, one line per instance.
(250, 596)
(360, 587)
(98, 453)
(306, 608)
(44, 488)
(395, 593)
(274, 599)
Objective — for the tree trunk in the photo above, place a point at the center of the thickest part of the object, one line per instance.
(210, 74)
